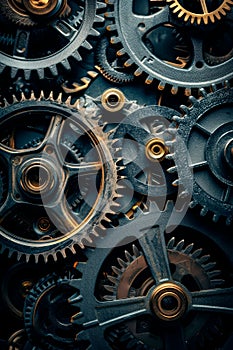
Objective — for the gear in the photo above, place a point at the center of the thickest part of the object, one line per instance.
(169, 61)
(200, 12)
(38, 218)
(107, 64)
(53, 44)
(151, 296)
(208, 123)
(143, 136)
(47, 314)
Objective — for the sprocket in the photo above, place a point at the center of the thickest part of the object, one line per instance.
(39, 201)
(208, 123)
(53, 43)
(166, 59)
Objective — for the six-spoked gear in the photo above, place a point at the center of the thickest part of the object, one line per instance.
(147, 43)
(54, 43)
(200, 12)
(47, 314)
(143, 136)
(37, 216)
(208, 123)
(167, 304)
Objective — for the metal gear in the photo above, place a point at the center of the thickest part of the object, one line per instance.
(143, 136)
(208, 123)
(200, 12)
(39, 200)
(108, 66)
(47, 314)
(167, 303)
(189, 70)
(53, 44)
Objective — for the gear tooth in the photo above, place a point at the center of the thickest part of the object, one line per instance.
(13, 72)
(176, 183)
(193, 100)
(115, 40)
(136, 251)
(121, 52)
(128, 256)
(122, 263)
(203, 92)
(128, 63)
(59, 98)
(204, 211)
(101, 5)
(229, 221)
(51, 96)
(86, 45)
(53, 70)
(217, 282)
(138, 72)
(207, 266)
(109, 15)
(185, 109)
(68, 101)
(192, 204)
(178, 119)
(99, 19)
(180, 245)
(76, 55)
(170, 156)
(109, 297)
(77, 316)
(214, 273)
(161, 86)
(171, 243)
(214, 87)
(172, 170)
(188, 249)
(174, 90)
(149, 80)
(196, 253)
(27, 74)
(112, 279)
(75, 299)
(216, 218)
(111, 27)
(109, 288)
(65, 64)
(116, 270)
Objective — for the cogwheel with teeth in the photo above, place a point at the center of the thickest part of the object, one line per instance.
(59, 192)
(161, 49)
(130, 278)
(200, 12)
(55, 41)
(155, 295)
(208, 123)
(47, 314)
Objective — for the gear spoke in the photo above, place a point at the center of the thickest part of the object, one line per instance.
(213, 300)
(145, 23)
(83, 169)
(110, 313)
(64, 29)
(155, 250)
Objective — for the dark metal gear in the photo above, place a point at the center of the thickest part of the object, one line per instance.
(143, 136)
(166, 303)
(54, 42)
(47, 314)
(109, 65)
(208, 124)
(45, 177)
(129, 277)
(158, 44)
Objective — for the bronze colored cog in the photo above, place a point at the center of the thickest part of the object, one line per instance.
(200, 12)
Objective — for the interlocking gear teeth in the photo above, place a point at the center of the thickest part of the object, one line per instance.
(60, 58)
(213, 136)
(200, 18)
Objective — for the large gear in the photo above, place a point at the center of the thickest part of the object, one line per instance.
(200, 12)
(52, 44)
(166, 303)
(39, 201)
(168, 60)
(208, 123)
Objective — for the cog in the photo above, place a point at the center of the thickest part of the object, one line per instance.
(154, 297)
(47, 314)
(40, 218)
(206, 10)
(212, 164)
(143, 137)
(163, 59)
(107, 63)
(53, 44)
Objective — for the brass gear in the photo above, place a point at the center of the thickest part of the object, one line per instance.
(204, 15)
(16, 12)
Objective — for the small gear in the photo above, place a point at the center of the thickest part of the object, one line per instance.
(54, 43)
(147, 45)
(208, 123)
(200, 12)
(47, 314)
(107, 63)
(143, 136)
(51, 204)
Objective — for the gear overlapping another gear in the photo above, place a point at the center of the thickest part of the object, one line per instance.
(208, 123)
(40, 201)
(200, 12)
(54, 42)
